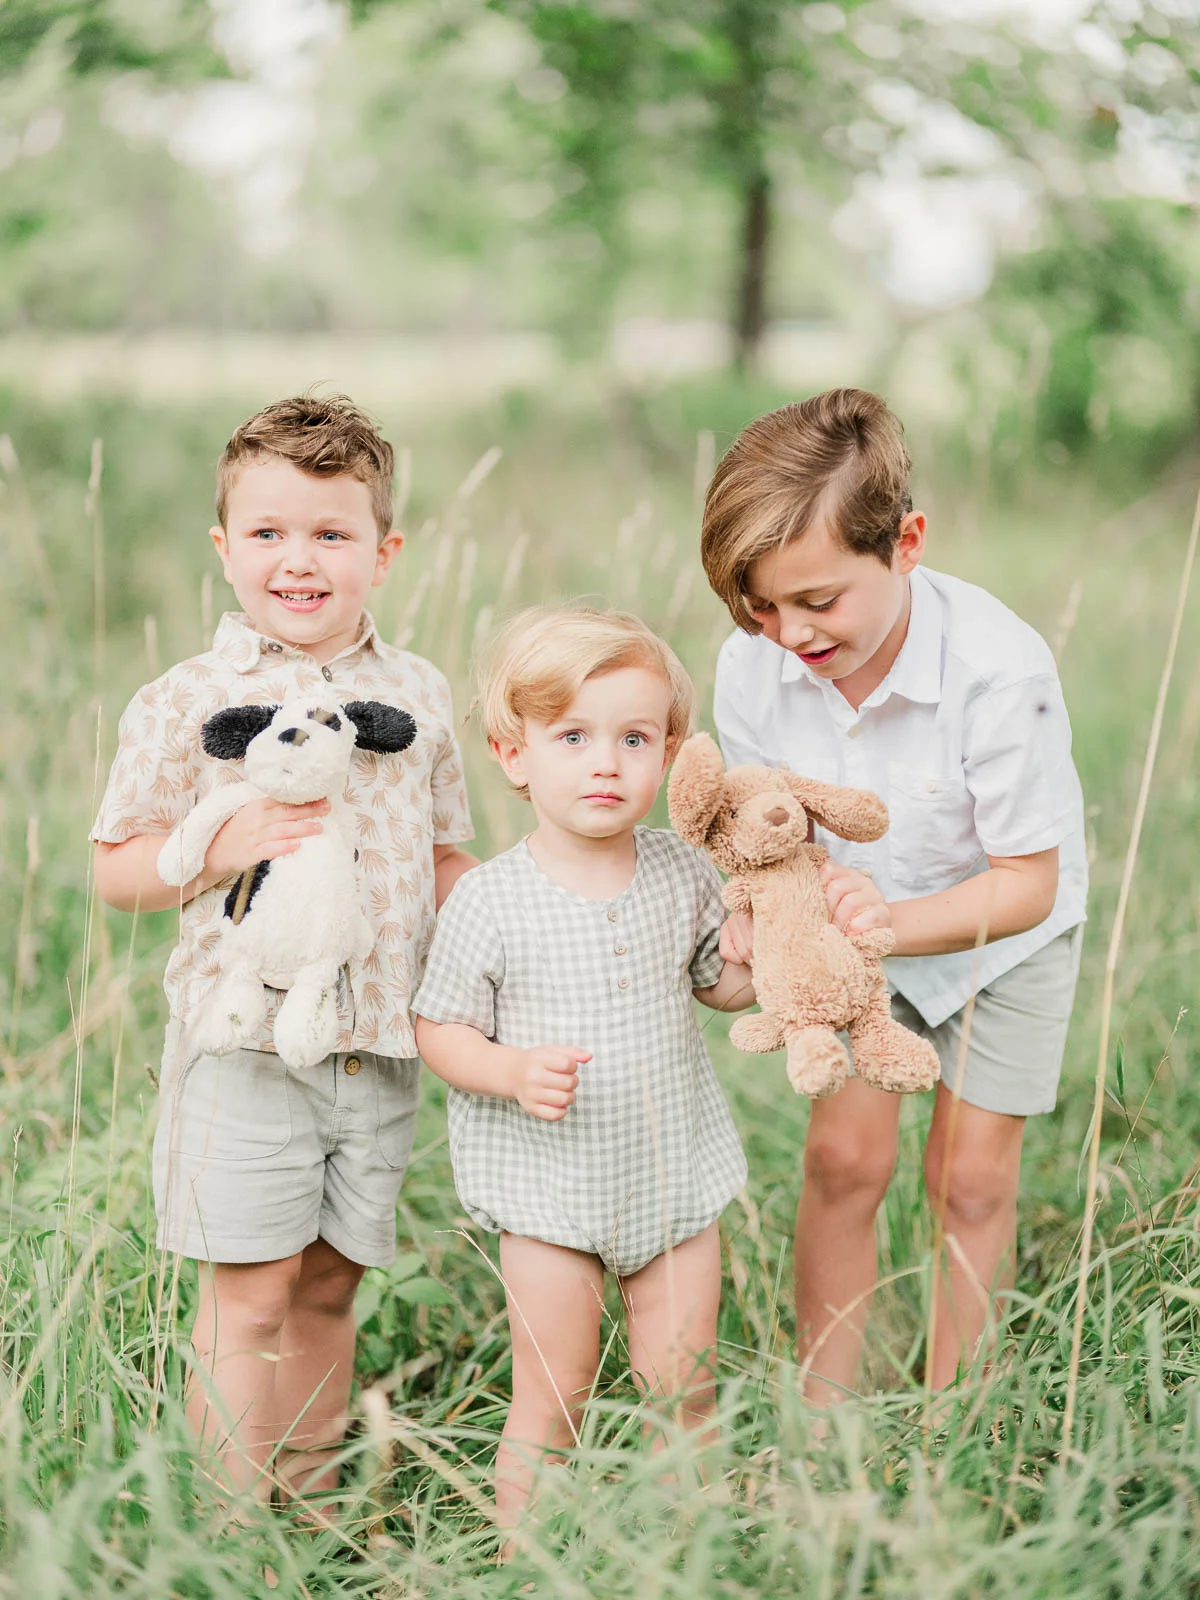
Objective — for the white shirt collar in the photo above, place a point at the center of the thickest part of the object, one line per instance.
(916, 673)
(238, 642)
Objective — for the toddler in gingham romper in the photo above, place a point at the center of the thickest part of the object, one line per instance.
(587, 1126)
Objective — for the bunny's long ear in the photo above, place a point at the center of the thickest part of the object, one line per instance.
(380, 727)
(850, 813)
(696, 789)
(227, 734)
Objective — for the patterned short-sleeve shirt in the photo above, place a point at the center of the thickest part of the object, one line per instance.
(647, 1156)
(403, 805)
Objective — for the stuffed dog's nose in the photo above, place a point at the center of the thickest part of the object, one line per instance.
(777, 816)
(293, 736)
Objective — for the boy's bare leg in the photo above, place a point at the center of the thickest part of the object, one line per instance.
(555, 1302)
(236, 1337)
(978, 1177)
(849, 1157)
(312, 1383)
(672, 1307)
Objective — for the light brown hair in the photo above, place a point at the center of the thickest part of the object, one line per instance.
(542, 658)
(840, 455)
(324, 435)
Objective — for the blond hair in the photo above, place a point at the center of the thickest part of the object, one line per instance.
(543, 657)
(324, 435)
(840, 454)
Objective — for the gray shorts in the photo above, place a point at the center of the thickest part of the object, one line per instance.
(1018, 1032)
(253, 1160)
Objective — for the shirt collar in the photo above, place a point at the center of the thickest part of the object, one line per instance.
(239, 642)
(916, 673)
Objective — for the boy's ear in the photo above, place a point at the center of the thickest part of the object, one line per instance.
(389, 548)
(227, 734)
(380, 728)
(850, 813)
(696, 789)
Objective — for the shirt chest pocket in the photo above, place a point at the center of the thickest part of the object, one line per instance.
(931, 833)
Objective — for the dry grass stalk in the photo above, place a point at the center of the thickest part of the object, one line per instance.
(1106, 1005)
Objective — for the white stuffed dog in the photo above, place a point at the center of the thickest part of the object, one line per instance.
(293, 922)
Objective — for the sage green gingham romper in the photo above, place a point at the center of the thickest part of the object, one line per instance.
(647, 1156)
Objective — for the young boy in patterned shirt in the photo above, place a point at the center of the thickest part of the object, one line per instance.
(284, 1182)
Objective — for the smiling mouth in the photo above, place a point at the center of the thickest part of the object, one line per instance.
(814, 658)
(301, 599)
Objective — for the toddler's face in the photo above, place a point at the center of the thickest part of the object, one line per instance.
(835, 609)
(302, 553)
(596, 770)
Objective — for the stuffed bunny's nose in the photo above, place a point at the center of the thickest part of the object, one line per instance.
(777, 816)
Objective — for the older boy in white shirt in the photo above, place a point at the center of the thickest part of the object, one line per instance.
(855, 665)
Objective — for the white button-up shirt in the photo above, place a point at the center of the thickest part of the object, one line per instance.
(967, 740)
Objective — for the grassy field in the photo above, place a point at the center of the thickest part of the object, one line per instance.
(103, 586)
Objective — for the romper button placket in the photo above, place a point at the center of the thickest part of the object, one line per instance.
(352, 1065)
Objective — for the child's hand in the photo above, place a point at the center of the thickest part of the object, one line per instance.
(855, 904)
(737, 939)
(545, 1079)
(261, 831)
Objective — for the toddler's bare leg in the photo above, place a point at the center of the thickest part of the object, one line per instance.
(236, 1338)
(672, 1308)
(312, 1384)
(555, 1302)
(848, 1160)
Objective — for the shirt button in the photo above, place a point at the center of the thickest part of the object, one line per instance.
(622, 983)
(620, 949)
(274, 646)
(930, 785)
(853, 732)
(327, 674)
(612, 916)
(352, 1065)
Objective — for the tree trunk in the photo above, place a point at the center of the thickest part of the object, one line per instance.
(751, 313)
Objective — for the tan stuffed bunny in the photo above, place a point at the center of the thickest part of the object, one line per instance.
(812, 980)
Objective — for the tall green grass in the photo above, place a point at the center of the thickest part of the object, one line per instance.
(99, 1493)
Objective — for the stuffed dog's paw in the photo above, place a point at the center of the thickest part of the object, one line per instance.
(232, 1015)
(306, 1027)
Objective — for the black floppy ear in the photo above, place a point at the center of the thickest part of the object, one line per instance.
(380, 728)
(227, 734)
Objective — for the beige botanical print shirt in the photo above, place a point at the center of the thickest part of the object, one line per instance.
(404, 805)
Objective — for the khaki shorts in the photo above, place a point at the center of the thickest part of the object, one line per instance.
(1018, 1032)
(253, 1161)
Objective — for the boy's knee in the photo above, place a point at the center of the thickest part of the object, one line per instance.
(330, 1292)
(843, 1166)
(259, 1295)
(976, 1190)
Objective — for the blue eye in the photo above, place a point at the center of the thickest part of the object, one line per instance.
(332, 534)
(265, 533)
(574, 738)
(635, 740)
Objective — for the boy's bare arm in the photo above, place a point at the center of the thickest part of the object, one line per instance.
(543, 1079)
(127, 874)
(1015, 894)
(449, 864)
(733, 990)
